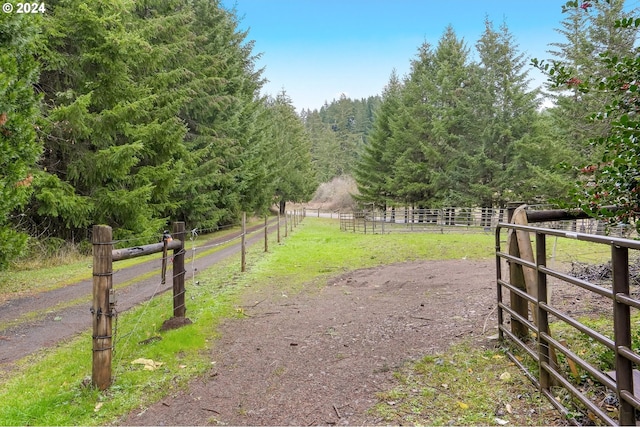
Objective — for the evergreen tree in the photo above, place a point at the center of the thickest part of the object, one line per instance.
(112, 90)
(505, 114)
(224, 170)
(374, 167)
(614, 179)
(416, 161)
(451, 123)
(429, 142)
(295, 181)
(19, 147)
(325, 148)
(350, 121)
(589, 30)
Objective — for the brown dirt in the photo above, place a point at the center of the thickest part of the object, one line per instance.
(320, 356)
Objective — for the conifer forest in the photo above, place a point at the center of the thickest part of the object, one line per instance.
(135, 114)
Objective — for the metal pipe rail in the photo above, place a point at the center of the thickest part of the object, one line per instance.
(545, 345)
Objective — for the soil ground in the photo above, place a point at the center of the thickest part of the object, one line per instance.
(320, 356)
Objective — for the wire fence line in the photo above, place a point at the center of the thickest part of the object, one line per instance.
(461, 220)
(104, 309)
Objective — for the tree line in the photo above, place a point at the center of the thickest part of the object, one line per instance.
(467, 130)
(133, 113)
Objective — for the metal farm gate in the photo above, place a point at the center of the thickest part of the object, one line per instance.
(528, 318)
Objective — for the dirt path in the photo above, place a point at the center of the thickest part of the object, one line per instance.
(320, 356)
(44, 319)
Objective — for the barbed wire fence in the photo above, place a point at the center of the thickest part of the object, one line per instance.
(104, 309)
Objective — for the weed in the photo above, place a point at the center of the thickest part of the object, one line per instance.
(468, 386)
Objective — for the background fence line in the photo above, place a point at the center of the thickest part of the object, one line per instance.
(460, 220)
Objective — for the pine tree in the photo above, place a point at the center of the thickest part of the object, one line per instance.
(374, 167)
(589, 30)
(295, 181)
(325, 148)
(19, 147)
(112, 90)
(415, 159)
(225, 172)
(504, 113)
(609, 91)
(429, 139)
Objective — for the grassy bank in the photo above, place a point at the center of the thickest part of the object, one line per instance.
(50, 387)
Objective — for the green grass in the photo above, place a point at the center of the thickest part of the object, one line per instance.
(29, 278)
(47, 388)
(466, 386)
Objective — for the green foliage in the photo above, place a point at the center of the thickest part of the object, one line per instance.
(19, 148)
(608, 91)
(294, 180)
(339, 132)
(374, 166)
(151, 111)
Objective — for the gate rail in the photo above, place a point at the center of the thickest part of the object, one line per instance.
(522, 330)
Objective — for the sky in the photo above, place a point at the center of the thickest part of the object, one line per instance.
(317, 50)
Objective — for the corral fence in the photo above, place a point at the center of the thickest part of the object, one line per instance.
(321, 213)
(103, 309)
(535, 324)
(460, 220)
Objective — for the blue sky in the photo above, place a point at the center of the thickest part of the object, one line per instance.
(318, 49)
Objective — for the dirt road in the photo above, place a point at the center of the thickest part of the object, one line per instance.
(320, 357)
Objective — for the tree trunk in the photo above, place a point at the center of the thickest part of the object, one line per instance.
(282, 204)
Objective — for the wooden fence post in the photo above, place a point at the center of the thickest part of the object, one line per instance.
(278, 226)
(179, 309)
(286, 228)
(243, 246)
(517, 279)
(101, 310)
(266, 235)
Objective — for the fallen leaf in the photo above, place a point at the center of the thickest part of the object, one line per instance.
(98, 406)
(462, 405)
(498, 356)
(445, 386)
(501, 422)
(149, 364)
(505, 376)
(3, 119)
(508, 408)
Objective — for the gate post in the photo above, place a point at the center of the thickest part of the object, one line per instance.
(101, 310)
(516, 278)
(622, 332)
(179, 309)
